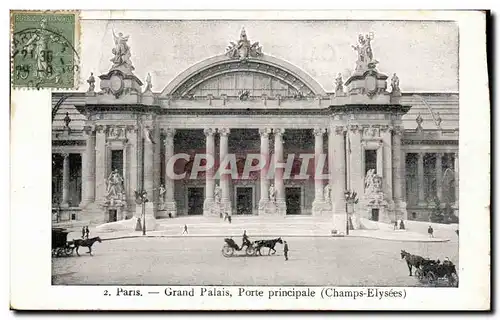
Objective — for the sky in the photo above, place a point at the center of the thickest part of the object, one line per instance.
(424, 54)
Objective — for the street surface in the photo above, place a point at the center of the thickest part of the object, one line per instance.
(313, 261)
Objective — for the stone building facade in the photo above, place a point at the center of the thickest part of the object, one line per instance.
(247, 102)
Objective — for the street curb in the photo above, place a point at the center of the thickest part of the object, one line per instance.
(282, 236)
(403, 240)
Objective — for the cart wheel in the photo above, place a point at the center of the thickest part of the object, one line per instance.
(250, 251)
(453, 279)
(419, 274)
(431, 277)
(60, 252)
(227, 251)
(69, 251)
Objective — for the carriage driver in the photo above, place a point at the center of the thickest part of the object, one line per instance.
(245, 241)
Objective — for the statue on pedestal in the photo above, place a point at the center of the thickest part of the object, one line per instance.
(121, 51)
(162, 194)
(272, 193)
(149, 85)
(395, 84)
(369, 181)
(326, 192)
(339, 85)
(114, 189)
(217, 194)
(244, 49)
(365, 53)
(91, 82)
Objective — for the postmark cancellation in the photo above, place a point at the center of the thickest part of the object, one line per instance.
(44, 49)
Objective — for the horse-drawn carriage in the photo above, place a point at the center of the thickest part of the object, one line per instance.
(432, 271)
(60, 245)
(429, 270)
(252, 248)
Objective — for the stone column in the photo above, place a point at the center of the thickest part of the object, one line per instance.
(279, 171)
(386, 132)
(355, 175)
(133, 146)
(100, 164)
(319, 199)
(224, 178)
(156, 167)
(170, 206)
(209, 178)
(456, 180)
(88, 168)
(336, 149)
(398, 164)
(149, 170)
(65, 184)
(420, 173)
(439, 175)
(264, 182)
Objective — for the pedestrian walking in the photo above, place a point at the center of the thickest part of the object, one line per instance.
(185, 229)
(401, 225)
(87, 232)
(83, 232)
(229, 219)
(285, 250)
(430, 231)
(395, 224)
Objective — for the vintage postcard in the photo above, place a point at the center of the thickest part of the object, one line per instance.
(250, 161)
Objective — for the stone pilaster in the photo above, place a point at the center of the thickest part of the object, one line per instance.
(225, 179)
(279, 171)
(209, 177)
(398, 175)
(132, 149)
(65, 184)
(156, 167)
(101, 168)
(88, 168)
(336, 148)
(355, 175)
(264, 182)
(149, 170)
(170, 206)
(319, 205)
(386, 133)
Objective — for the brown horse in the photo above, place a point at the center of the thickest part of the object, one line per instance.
(412, 260)
(86, 243)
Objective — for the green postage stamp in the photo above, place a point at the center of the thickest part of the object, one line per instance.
(44, 49)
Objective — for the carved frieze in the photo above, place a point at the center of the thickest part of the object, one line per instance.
(371, 132)
(116, 133)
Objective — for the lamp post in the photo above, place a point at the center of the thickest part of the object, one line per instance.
(351, 198)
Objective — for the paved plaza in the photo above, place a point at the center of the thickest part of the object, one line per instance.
(316, 261)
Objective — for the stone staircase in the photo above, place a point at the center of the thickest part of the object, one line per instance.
(254, 226)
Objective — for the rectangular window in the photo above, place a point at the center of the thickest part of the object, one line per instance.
(370, 160)
(117, 161)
